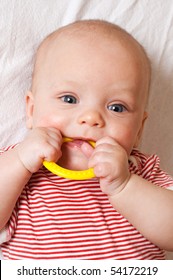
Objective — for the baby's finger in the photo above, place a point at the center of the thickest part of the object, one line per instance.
(87, 149)
(98, 157)
(101, 170)
(51, 152)
(55, 134)
(106, 140)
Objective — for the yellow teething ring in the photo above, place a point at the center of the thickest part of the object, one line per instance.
(70, 174)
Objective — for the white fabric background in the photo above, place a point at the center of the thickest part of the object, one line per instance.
(24, 23)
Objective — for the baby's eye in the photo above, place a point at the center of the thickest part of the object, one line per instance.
(119, 108)
(69, 99)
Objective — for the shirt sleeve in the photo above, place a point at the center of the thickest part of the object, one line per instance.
(149, 168)
(8, 230)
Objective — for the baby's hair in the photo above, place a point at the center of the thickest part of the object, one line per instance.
(91, 28)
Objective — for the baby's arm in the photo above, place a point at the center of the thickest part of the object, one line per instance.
(148, 207)
(18, 164)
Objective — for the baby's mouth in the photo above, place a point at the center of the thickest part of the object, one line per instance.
(76, 143)
(75, 154)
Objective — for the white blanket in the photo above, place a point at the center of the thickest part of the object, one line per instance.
(24, 23)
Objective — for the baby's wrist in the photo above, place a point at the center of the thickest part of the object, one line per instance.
(118, 189)
(22, 162)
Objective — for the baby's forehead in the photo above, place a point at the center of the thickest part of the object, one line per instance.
(91, 33)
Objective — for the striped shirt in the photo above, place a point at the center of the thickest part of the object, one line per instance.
(60, 218)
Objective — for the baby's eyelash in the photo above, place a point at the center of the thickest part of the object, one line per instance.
(119, 108)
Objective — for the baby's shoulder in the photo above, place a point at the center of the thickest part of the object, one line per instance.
(148, 167)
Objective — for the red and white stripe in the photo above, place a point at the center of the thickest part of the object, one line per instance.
(59, 218)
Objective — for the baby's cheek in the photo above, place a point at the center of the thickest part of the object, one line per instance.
(48, 120)
(128, 142)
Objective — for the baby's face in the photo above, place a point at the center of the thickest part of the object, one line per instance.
(89, 91)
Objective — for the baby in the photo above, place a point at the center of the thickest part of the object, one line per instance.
(90, 82)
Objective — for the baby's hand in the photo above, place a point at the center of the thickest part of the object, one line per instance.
(110, 163)
(39, 145)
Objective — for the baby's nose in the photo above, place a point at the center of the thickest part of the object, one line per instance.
(91, 118)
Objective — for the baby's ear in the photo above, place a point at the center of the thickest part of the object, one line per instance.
(138, 138)
(29, 109)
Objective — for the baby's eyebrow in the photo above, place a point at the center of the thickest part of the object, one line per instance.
(65, 83)
(123, 85)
